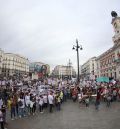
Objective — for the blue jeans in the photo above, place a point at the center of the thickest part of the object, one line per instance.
(58, 106)
(12, 112)
(21, 112)
(97, 103)
(108, 103)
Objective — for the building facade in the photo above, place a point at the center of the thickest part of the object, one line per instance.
(14, 64)
(89, 69)
(62, 71)
(108, 63)
(1, 60)
(116, 39)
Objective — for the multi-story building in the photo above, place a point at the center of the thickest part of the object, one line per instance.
(108, 63)
(116, 39)
(62, 71)
(1, 60)
(14, 64)
(88, 69)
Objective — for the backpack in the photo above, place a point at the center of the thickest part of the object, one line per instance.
(20, 103)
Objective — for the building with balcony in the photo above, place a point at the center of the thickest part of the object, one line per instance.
(63, 71)
(106, 64)
(116, 39)
(88, 69)
(14, 64)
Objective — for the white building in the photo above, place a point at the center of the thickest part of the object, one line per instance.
(89, 69)
(64, 71)
(14, 64)
(116, 39)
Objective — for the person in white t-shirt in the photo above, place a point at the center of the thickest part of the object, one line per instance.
(50, 100)
(45, 99)
(41, 102)
(31, 106)
(27, 103)
(21, 104)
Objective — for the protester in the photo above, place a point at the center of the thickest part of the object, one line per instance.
(50, 100)
(1, 120)
(41, 103)
(21, 105)
(38, 94)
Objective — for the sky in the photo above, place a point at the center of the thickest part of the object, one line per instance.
(46, 30)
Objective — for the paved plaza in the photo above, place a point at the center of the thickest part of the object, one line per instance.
(72, 116)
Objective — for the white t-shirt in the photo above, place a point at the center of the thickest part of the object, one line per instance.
(41, 101)
(45, 99)
(31, 104)
(23, 102)
(27, 100)
(50, 99)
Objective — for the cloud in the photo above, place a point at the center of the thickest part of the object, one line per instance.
(46, 30)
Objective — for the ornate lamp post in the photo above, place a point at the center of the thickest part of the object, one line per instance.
(77, 47)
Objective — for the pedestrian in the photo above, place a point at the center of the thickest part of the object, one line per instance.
(12, 109)
(27, 103)
(50, 100)
(16, 104)
(3, 109)
(41, 102)
(87, 101)
(45, 99)
(1, 120)
(21, 105)
(34, 105)
(108, 100)
(97, 103)
(61, 96)
(58, 99)
(31, 105)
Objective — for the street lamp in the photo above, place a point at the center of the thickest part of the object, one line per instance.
(77, 47)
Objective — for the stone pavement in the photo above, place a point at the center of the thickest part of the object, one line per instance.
(72, 116)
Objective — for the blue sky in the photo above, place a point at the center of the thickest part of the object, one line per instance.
(46, 30)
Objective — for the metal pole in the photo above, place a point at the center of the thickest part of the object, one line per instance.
(77, 49)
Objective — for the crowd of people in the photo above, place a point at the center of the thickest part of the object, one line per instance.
(93, 91)
(22, 99)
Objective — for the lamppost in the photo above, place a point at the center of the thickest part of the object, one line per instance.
(77, 47)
